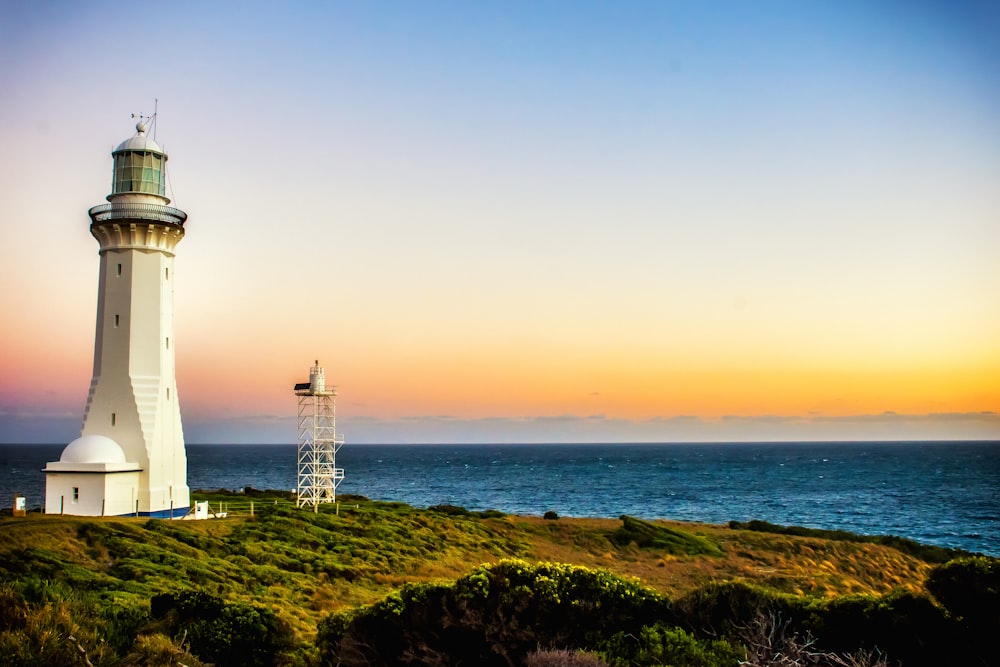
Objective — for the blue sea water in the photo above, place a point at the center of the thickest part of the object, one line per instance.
(944, 493)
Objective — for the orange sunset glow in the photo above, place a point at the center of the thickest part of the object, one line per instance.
(784, 225)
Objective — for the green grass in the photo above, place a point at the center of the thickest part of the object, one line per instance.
(301, 565)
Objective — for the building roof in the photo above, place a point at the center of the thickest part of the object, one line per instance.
(92, 454)
(139, 142)
(93, 449)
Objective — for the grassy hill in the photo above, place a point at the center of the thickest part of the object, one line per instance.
(124, 588)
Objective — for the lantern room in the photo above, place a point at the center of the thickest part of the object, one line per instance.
(139, 166)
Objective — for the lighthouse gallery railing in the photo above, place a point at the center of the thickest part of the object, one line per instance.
(123, 211)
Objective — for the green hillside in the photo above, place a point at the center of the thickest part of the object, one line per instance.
(288, 586)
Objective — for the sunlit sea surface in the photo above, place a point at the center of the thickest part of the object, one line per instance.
(939, 493)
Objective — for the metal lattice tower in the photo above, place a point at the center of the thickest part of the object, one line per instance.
(318, 441)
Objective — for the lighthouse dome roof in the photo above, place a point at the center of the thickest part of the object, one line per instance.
(93, 449)
(140, 141)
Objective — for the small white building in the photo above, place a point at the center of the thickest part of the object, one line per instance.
(92, 478)
(130, 458)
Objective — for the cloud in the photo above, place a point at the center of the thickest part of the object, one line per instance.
(890, 417)
(36, 426)
(23, 427)
(682, 428)
(443, 418)
(555, 418)
(762, 419)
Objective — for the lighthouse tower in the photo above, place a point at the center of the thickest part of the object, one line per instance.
(319, 441)
(130, 457)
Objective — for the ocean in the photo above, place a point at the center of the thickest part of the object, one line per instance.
(943, 493)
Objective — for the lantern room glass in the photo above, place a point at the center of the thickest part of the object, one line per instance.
(139, 171)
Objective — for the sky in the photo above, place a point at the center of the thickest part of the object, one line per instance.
(523, 221)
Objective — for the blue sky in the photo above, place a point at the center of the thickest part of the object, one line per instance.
(524, 221)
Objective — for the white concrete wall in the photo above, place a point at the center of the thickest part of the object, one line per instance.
(90, 498)
(112, 493)
(120, 493)
(133, 393)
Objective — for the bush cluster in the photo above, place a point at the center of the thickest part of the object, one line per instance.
(496, 615)
(223, 633)
(458, 510)
(646, 534)
(505, 613)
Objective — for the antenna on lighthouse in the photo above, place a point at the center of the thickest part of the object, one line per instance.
(318, 441)
(145, 121)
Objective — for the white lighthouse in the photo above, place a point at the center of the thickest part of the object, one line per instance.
(130, 457)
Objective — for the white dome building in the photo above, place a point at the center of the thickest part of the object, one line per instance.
(91, 478)
(93, 449)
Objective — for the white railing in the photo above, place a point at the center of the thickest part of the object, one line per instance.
(136, 211)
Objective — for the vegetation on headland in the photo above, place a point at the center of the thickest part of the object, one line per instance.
(384, 583)
(926, 552)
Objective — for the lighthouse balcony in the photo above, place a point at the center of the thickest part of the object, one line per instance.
(139, 212)
(327, 472)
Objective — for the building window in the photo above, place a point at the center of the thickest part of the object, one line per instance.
(113, 418)
(116, 320)
(119, 269)
(168, 393)
(168, 342)
(76, 494)
(167, 272)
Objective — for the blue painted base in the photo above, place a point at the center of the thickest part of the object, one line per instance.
(176, 513)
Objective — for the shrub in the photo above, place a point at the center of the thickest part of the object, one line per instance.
(665, 645)
(969, 588)
(906, 626)
(224, 633)
(158, 649)
(457, 510)
(13, 610)
(496, 615)
(653, 536)
(51, 635)
(563, 658)
(718, 608)
(121, 617)
(35, 589)
(903, 625)
(450, 510)
(771, 642)
(550, 515)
